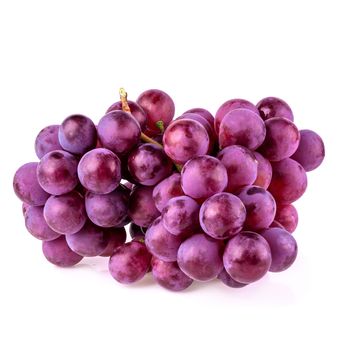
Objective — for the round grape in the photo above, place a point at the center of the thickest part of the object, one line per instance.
(287, 215)
(203, 113)
(47, 141)
(271, 107)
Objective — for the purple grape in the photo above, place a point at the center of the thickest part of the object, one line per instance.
(57, 172)
(136, 110)
(142, 209)
(200, 257)
(160, 242)
(264, 174)
(282, 139)
(130, 262)
(310, 152)
(148, 164)
(284, 248)
(116, 237)
(77, 134)
(58, 253)
(47, 141)
(247, 257)
(180, 215)
(203, 176)
(119, 132)
(225, 278)
(242, 127)
(25, 207)
(260, 205)
(287, 216)
(222, 215)
(204, 114)
(241, 166)
(167, 189)
(65, 214)
(271, 107)
(99, 171)
(169, 275)
(26, 185)
(184, 139)
(107, 210)
(158, 106)
(229, 106)
(91, 240)
(136, 231)
(288, 182)
(37, 226)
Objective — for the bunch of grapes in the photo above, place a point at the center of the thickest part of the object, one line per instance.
(202, 197)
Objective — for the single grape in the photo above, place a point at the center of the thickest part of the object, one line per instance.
(287, 215)
(310, 152)
(282, 139)
(142, 209)
(136, 110)
(57, 172)
(119, 132)
(25, 207)
(148, 164)
(26, 185)
(99, 171)
(284, 248)
(222, 215)
(91, 240)
(77, 134)
(137, 231)
(116, 237)
(260, 205)
(229, 106)
(58, 253)
(288, 182)
(275, 223)
(200, 257)
(65, 214)
(167, 189)
(47, 141)
(130, 262)
(158, 106)
(37, 226)
(225, 278)
(203, 113)
(203, 176)
(160, 242)
(184, 139)
(169, 275)
(247, 257)
(241, 166)
(180, 215)
(271, 107)
(242, 127)
(264, 174)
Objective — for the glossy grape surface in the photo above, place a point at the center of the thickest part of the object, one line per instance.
(287, 216)
(271, 107)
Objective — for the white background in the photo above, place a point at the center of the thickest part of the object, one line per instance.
(63, 57)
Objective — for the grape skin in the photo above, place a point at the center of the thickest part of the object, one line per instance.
(226, 279)
(116, 237)
(271, 107)
(264, 174)
(204, 114)
(287, 216)
(47, 141)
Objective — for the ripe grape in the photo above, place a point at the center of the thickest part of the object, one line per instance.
(148, 164)
(288, 182)
(203, 176)
(203, 113)
(222, 215)
(260, 205)
(284, 248)
(160, 242)
(200, 257)
(26, 185)
(65, 214)
(247, 257)
(264, 174)
(282, 139)
(242, 127)
(116, 237)
(225, 278)
(287, 215)
(99, 171)
(271, 107)
(77, 134)
(58, 253)
(180, 215)
(57, 172)
(47, 141)
(241, 166)
(169, 275)
(310, 152)
(130, 262)
(137, 231)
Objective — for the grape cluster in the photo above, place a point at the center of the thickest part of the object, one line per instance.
(202, 197)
